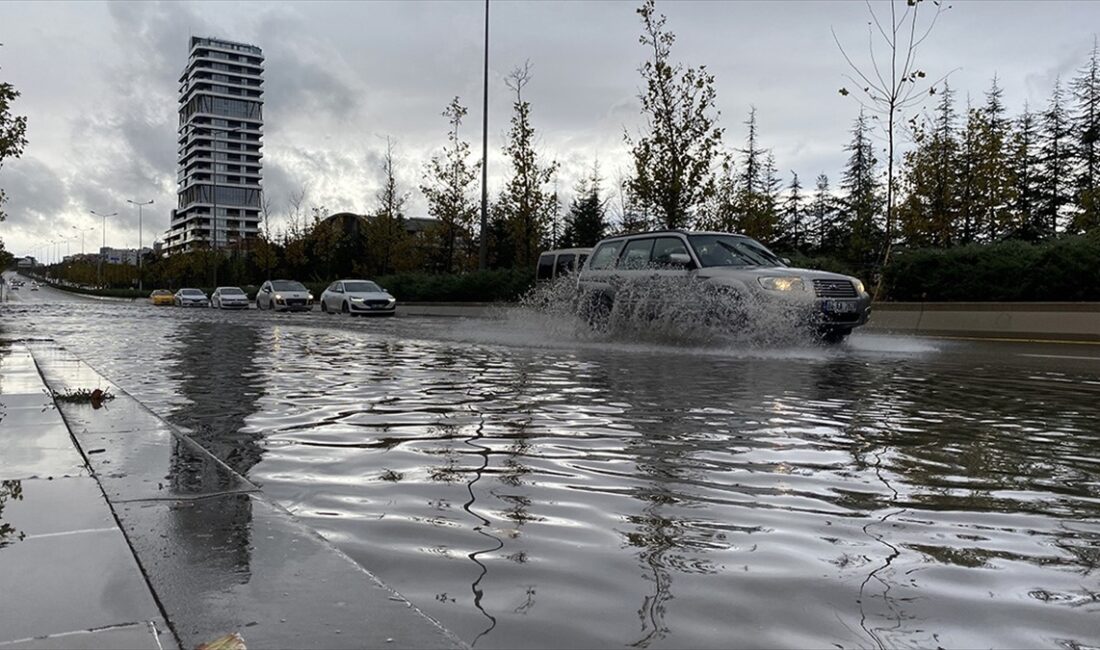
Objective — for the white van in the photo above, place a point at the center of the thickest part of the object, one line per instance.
(563, 261)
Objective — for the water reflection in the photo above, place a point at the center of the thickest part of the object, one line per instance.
(10, 490)
(214, 370)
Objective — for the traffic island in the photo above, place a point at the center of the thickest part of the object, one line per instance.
(218, 555)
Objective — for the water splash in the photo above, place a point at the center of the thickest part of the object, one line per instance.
(667, 310)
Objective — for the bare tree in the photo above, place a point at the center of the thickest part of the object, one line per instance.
(888, 87)
(295, 219)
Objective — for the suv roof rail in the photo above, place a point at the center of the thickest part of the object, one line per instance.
(679, 231)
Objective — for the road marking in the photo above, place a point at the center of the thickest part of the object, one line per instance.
(1059, 356)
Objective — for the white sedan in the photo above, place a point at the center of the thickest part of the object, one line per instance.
(357, 297)
(187, 297)
(229, 298)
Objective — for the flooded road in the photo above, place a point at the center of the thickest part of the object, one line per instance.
(531, 490)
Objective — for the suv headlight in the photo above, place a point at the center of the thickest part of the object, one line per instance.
(859, 285)
(783, 283)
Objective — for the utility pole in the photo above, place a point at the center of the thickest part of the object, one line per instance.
(141, 285)
(483, 250)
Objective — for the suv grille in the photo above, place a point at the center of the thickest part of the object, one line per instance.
(834, 289)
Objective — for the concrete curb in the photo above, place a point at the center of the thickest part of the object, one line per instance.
(1050, 321)
(219, 555)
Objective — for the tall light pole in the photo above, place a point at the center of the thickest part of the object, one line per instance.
(82, 231)
(139, 206)
(99, 266)
(483, 249)
(214, 190)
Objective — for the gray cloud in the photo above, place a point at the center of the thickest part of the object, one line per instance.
(100, 85)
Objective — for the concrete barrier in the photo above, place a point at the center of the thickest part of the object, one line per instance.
(1054, 321)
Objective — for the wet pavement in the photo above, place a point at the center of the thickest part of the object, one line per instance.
(529, 488)
(70, 579)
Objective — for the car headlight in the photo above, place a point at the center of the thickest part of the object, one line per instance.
(354, 299)
(310, 296)
(783, 283)
(278, 297)
(859, 285)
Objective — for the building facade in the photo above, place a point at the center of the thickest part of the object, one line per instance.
(219, 139)
(121, 255)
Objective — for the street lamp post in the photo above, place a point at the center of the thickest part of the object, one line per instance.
(82, 231)
(141, 286)
(99, 266)
(214, 189)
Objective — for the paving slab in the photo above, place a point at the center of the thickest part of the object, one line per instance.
(38, 448)
(151, 635)
(42, 507)
(70, 581)
(239, 564)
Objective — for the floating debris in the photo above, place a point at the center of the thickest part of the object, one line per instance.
(232, 641)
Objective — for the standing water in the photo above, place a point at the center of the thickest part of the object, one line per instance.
(529, 486)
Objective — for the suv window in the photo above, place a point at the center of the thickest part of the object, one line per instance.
(546, 267)
(665, 247)
(605, 255)
(564, 265)
(636, 255)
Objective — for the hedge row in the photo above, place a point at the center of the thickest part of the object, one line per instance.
(480, 286)
(1065, 269)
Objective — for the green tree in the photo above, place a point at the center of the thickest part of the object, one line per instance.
(526, 202)
(675, 154)
(386, 233)
(928, 211)
(823, 213)
(793, 231)
(993, 178)
(1025, 160)
(756, 194)
(13, 130)
(970, 160)
(1056, 163)
(586, 222)
(447, 186)
(861, 201)
(1086, 139)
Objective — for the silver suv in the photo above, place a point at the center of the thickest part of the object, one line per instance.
(737, 269)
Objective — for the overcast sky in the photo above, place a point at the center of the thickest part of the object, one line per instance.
(99, 84)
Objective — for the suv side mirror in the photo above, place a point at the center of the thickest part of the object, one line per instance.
(785, 260)
(267, 289)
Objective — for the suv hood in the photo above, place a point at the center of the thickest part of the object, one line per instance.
(752, 272)
(369, 295)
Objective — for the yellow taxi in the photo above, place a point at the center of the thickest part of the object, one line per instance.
(162, 297)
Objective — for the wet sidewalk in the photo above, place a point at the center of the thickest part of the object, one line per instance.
(149, 518)
(69, 578)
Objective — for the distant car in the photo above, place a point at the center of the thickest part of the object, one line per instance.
(358, 297)
(34, 286)
(229, 298)
(284, 295)
(191, 298)
(162, 297)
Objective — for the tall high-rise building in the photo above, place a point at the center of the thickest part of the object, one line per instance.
(220, 132)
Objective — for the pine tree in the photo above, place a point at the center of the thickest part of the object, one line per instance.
(448, 179)
(757, 189)
(929, 209)
(862, 200)
(1025, 219)
(1055, 157)
(1086, 138)
(970, 160)
(994, 185)
(526, 202)
(586, 222)
(793, 231)
(822, 213)
(674, 157)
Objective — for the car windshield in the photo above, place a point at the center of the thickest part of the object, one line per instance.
(286, 285)
(191, 292)
(362, 287)
(230, 291)
(162, 292)
(732, 250)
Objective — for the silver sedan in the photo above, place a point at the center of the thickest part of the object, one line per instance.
(358, 297)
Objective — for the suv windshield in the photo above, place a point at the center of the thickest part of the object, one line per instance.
(284, 285)
(362, 287)
(732, 250)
